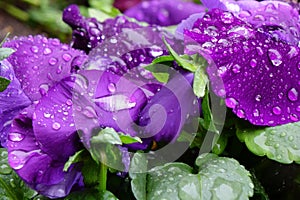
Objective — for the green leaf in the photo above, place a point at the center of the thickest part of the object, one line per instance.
(5, 38)
(5, 52)
(159, 72)
(11, 186)
(259, 191)
(127, 139)
(186, 64)
(161, 59)
(223, 177)
(162, 181)
(208, 121)
(77, 157)
(137, 172)
(220, 145)
(279, 143)
(108, 136)
(200, 82)
(99, 15)
(90, 171)
(190, 187)
(107, 195)
(3, 83)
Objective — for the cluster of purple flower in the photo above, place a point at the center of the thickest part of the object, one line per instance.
(99, 81)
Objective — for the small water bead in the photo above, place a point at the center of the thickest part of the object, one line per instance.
(47, 51)
(294, 117)
(15, 137)
(256, 113)
(258, 97)
(34, 49)
(56, 126)
(298, 108)
(227, 18)
(231, 102)
(111, 87)
(276, 110)
(156, 51)
(59, 69)
(35, 68)
(52, 61)
(253, 63)
(291, 138)
(43, 89)
(69, 102)
(240, 113)
(236, 68)
(89, 112)
(293, 52)
(275, 57)
(113, 40)
(221, 93)
(259, 51)
(67, 57)
(283, 134)
(293, 94)
(222, 70)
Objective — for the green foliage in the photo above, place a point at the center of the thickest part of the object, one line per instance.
(11, 186)
(217, 177)
(279, 143)
(3, 83)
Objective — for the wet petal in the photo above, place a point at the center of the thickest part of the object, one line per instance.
(53, 122)
(257, 74)
(123, 5)
(40, 62)
(12, 100)
(163, 12)
(39, 170)
(169, 110)
(88, 32)
(104, 99)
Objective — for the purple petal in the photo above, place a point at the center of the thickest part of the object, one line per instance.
(169, 110)
(39, 170)
(187, 24)
(53, 123)
(12, 100)
(88, 32)
(257, 73)
(40, 62)
(163, 12)
(103, 99)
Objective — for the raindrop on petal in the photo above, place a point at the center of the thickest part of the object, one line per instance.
(56, 126)
(293, 94)
(15, 137)
(275, 57)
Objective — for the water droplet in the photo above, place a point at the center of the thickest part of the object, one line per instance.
(47, 51)
(111, 87)
(231, 102)
(222, 70)
(52, 61)
(15, 137)
(294, 117)
(113, 40)
(283, 134)
(276, 145)
(56, 126)
(256, 113)
(35, 68)
(276, 110)
(69, 102)
(258, 97)
(253, 63)
(222, 93)
(59, 69)
(291, 138)
(67, 57)
(156, 51)
(115, 103)
(236, 68)
(142, 58)
(293, 52)
(43, 89)
(259, 51)
(55, 42)
(298, 108)
(34, 49)
(17, 159)
(227, 17)
(207, 17)
(259, 18)
(293, 94)
(240, 113)
(275, 57)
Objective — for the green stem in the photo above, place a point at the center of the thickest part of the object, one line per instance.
(103, 177)
(14, 11)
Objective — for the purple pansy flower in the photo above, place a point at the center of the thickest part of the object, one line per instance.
(36, 139)
(163, 12)
(250, 59)
(123, 5)
(124, 94)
